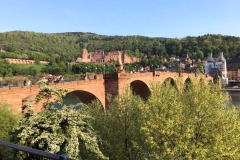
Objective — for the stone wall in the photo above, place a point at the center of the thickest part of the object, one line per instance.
(23, 61)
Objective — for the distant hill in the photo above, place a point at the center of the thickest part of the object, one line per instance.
(68, 46)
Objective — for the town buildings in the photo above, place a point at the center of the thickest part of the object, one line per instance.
(233, 67)
(216, 67)
(99, 56)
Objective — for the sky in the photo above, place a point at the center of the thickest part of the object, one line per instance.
(151, 18)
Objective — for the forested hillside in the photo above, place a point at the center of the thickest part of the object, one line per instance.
(43, 46)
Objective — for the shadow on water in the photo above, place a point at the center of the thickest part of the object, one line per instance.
(69, 99)
(235, 96)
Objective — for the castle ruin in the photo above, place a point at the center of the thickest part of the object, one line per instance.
(100, 57)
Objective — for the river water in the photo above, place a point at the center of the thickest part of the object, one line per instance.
(69, 99)
(235, 96)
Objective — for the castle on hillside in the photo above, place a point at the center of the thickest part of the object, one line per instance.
(100, 57)
(216, 67)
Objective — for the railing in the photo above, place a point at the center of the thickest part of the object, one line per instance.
(69, 79)
(92, 77)
(35, 151)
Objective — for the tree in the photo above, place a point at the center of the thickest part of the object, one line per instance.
(8, 121)
(192, 123)
(57, 131)
(119, 126)
(36, 60)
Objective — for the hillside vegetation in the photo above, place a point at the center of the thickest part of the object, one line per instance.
(61, 48)
(43, 46)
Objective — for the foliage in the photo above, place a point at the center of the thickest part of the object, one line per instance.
(8, 121)
(65, 131)
(9, 70)
(85, 68)
(69, 45)
(119, 126)
(62, 48)
(12, 81)
(190, 123)
(179, 121)
(32, 67)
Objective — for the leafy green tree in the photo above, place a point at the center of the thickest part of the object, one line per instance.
(119, 126)
(36, 60)
(192, 123)
(57, 131)
(8, 121)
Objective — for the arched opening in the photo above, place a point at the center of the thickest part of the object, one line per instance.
(140, 88)
(187, 84)
(78, 96)
(210, 82)
(84, 96)
(169, 80)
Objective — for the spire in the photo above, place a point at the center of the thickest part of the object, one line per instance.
(210, 58)
(119, 65)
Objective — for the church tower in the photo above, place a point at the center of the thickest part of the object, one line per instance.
(209, 64)
(222, 66)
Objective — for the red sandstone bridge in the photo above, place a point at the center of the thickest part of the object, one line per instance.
(90, 89)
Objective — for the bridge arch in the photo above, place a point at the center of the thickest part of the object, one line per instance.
(85, 96)
(186, 84)
(140, 88)
(171, 80)
(188, 80)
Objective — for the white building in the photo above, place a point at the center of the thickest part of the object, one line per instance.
(216, 67)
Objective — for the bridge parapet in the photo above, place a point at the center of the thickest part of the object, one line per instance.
(98, 86)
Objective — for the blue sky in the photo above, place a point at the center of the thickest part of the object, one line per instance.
(152, 18)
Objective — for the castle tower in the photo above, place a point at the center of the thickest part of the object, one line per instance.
(84, 54)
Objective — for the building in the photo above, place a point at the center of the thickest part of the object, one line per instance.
(233, 68)
(216, 67)
(99, 56)
(186, 59)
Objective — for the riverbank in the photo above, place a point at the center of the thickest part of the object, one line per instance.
(232, 89)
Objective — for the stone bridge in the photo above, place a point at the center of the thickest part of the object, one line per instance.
(90, 89)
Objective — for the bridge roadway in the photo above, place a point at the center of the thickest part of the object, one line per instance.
(97, 88)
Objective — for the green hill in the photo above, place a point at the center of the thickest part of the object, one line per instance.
(43, 46)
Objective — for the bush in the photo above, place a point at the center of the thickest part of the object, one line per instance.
(8, 121)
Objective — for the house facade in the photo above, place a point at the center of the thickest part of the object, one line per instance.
(233, 68)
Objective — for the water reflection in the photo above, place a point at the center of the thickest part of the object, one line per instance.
(69, 99)
(235, 96)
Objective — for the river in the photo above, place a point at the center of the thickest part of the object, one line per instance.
(69, 99)
(235, 96)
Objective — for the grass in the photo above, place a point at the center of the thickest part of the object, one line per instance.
(38, 67)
